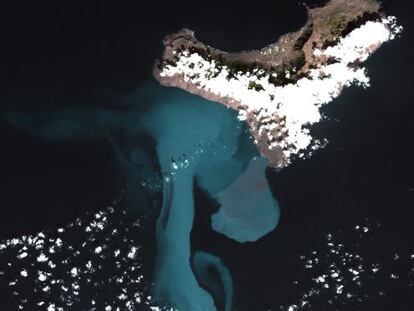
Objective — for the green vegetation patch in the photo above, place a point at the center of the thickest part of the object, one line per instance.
(253, 85)
(240, 66)
(334, 25)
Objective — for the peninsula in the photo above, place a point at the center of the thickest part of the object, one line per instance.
(279, 89)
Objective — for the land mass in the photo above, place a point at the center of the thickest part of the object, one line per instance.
(285, 62)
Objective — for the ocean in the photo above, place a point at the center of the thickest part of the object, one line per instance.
(81, 125)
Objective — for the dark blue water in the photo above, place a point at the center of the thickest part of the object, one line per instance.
(82, 120)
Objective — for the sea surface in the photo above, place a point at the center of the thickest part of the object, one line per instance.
(87, 135)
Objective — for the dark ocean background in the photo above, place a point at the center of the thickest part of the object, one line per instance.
(93, 56)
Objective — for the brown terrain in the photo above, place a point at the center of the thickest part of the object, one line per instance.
(291, 57)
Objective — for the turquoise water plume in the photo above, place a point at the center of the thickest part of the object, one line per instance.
(183, 139)
(188, 131)
(198, 139)
(203, 263)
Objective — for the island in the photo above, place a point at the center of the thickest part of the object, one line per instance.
(279, 89)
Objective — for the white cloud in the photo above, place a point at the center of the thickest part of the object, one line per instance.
(298, 103)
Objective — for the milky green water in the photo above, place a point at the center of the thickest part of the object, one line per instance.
(192, 140)
(248, 209)
(197, 139)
